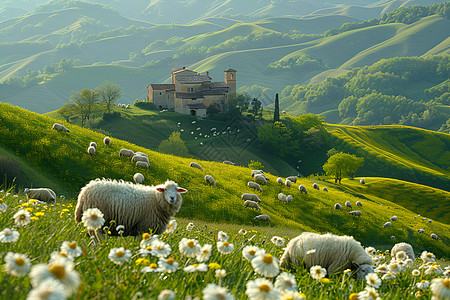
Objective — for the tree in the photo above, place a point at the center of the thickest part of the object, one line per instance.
(109, 92)
(84, 103)
(213, 109)
(256, 109)
(276, 113)
(342, 164)
(255, 165)
(174, 145)
(276, 138)
(238, 103)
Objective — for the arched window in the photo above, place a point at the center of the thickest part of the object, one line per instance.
(231, 76)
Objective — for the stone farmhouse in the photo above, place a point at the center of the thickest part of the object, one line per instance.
(191, 93)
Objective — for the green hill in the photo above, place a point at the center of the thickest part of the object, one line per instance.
(64, 155)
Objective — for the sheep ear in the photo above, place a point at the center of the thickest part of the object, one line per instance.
(181, 190)
(161, 190)
(355, 264)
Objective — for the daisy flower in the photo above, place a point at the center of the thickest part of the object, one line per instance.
(286, 282)
(145, 251)
(371, 251)
(409, 262)
(447, 273)
(215, 292)
(369, 293)
(222, 236)
(190, 226)
(3, 206)
(220, 273)
(261, 289)
(277, 241)
(401, 255)
(16, 264)
(205, 253)
(119, 255)
(394, 267)
(93, 219)
(225, 247)
(166, 295)
(171, 227)
(434, 270)
(427, 257)
(22, 217)
(120, 229)
(415, 273)
(423, 284)
(50, 289)
(189, 247)
(250, 252)
(388, 276)
(292, 295)
(147, 240)
(168, 265)
(242, 232)
(440, 287)
(71, 248)
(160, 249)
(9, 236)
(383, 269)
(55, 255)
(373, 280)
(151, 268)
(196, 268)
(265, 265)
(427, 265)
(317, 272)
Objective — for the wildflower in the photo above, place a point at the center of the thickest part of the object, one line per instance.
(388, 276)
(353, 296)
(286, 282)
(50, 289)
(9, 236)
(249, 252)
(369, 293)
(215, 292)
(409, 262)
(189, 247)
(147, 240)
(214, 266)
(168, 265)
(292, 295)
(242, 232)
(142, 261)
(427, 257)
(60, 270)
(401, 255)
(434, 270)
(22, 218)
(71, 248)
(151, 268)
(371, 251)
(373, 280)
(427, 265)
(17, 264)
(222, 236)
(312, 251)
(440, 287)
(120, 229)
(221, 273)
(93, 219)
(160, 249)
(317, 272)
(446, 273)
(265, 265)
(190, 226)
(119, 255)
(383, 269)
(225, 247)
(3, 206)
(145, 251)
(196, 268)
(423, 284)
(166, 295)
(415, 273)
(277, 241)
(55, 255)
(39, 214)
(171, 227)
(205, 253)
(260, 289)
(325, 280)
(394, 267)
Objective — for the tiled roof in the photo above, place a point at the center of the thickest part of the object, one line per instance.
(163, 86)
(231, 70)
(184, 95)
(213, 92)
(220, 84)
(196, 106)
(192, 78)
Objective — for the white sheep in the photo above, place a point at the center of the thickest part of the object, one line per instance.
(362, 181)
(282, 197)
(293, 179)
(142, 164)
(137, 157)
(93, 144)
(60, 127)
(338, 206)
(332, 252)
(261, 172)
(405, 247)
(280, 180)
(107, 141)
(138, 178)
(324, 189)
(91, 150)
(252, 204)
(288, 198)
(254, 185)
(229, 162)
(302, 189)
(42, 194)
(288, 183)
(420, 231)
(348, 204)
(316, 186)
(394, 218)
(195, 165)
(387, 224)
(141, 154)
(209, 179)
(262, 218)
(138, 207)
(434, 236)
(259, 178)
(251, 197)
(355, 213)
(358, 203)
(126, 152)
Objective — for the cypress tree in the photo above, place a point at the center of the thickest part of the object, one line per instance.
(276, 113)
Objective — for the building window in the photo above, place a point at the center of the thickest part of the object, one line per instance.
(160, 93)
(190, 90)
(231, 76)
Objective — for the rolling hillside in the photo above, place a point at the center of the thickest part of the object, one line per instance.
(64, 156)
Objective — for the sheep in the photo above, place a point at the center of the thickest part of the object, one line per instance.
(93, 144)
(293, 179)
(137, 157)
(316, 186)
(429, 221)
(209, 179)
(138, 178)
(139, 208)
(141, 154)
(252, 197)
(282, 197)
(302, 189)
(332, 252)
(229, 162)
(394, 218)
(254, 185)
(107, 141)
(362, 181)
(42, 194)
(195, 165)
(260, 178)
(405, 247)
(358, 203)
(348, 204)
(126, 152)
(355, 213)
(387, 224)
(252, 204)
(91, 151)
(434, 236)
(338, 206)
(142, 164)
(288, 183)
(288, 198)
(280, 180)
(254, 172)
(60, 127)
(420, 231)
(262, 218)
(325, 189)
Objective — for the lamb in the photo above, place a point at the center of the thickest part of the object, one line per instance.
(126, 152)
(348, 204)
(91, 151)
(138, 207)
(332, 252)
(325, 189)
(60, 127)
(394, 218)
(358, 203)
(209, 179)
(280, 180)
(252, 204)
(137, 157)
(288, 198)
(302, 189)
(195, 165)
(407, 248)
(338, 206)
(434, 236)
(293, 179)
(387, 224)
(355, 213)
(282, 197)
(251, 197)
(288, 183)
(260, 178)
(362, 181)
(420, 231)
(142, 164)
(254, 185)
(107, 141)
(42, 194)
(138, 178)
(316, 186)
(262, 218)
(93, 144)
(229, 162)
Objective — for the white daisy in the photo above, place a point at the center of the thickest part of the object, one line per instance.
(160, 249)
(373, 280)
(383, 269)
(16, 264)
(120, 229)
(388, 276)
(222, 236)
(401, 255)
(436, 270)
(205, 253)
(423, 284)
(371, 250)
(427, 257)
(317, 272)
(286, 281)
(277, 241)
(93, 219)
(440, 287)
(50, 289)
(22, 217)
(215, 292)
(265, 265)
(9, 236)
(3, 206)
(189, 247)
(196, 268)
(147, 240)
(446, 273)
(292, 295)
(119, 255)
(415, 273)
(190, 226)
(151, 268)
(225, 247)
(369, 293)
(168, 265)
(71, 248)
(171, 227)
(56, 255)
(249, 252)
(220, 273)
(409, 263)
(261, 289)
(394, 267)
(242, 232)
(145, 251)
(166, 295)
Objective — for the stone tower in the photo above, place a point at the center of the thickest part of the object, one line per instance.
(230, 80)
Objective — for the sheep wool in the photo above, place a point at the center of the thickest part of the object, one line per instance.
(324, 189)
(138, 207)
(407, 248)
(254, 185)
(142, 164)
(107, 141)
(229, 162)
(348, 204)
(93, 144)
(338, 206)
(280, 180)
(355, 213)
(209, 179)
(260, 178)
(293, 179)
(358, 203)
(60, 127)
(126, 152)
(251, 197)
(394, 218)
(262, 218)
(282, 197)
(137, 157)
(316, 186)
(288, 183)
(302, 189)
(252, 204)
(434, 236)
(138, 178)
(362, 181)
(195, 165)
(288, 198)
(387, 224)
(91, 150)
(42, 194)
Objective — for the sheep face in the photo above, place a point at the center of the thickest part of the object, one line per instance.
(170, 190)
(362, 270)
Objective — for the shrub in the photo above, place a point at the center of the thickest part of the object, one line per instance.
(111, 116)
(144, 105)
(9, 169)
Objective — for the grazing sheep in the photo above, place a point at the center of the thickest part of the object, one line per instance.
(107, 141)
(355, 213)
(325, 189)
(280, 180)
(195, 165)
(255, 172)
(262, 218)
(338, 206)
(91, 151)
(332, 252)
(405, 247)
(429, 221)
(302, 189)
(138, 207)
(252, 204)
(394, 218)
(362, 181)
(251, 197)
(348, 204)
(254, 185)
(141, 154)
(142, 164)
(42, 194)
(387, 224)
(316, 186)
(138, 178)
(260, 179)
(229, 162)
(420, 231)
(93, 144)
(293, 179)
(282, 197)
(126, 152)
(358, 203)
(137, 157)
(288, 183)
(209, 179)
(434, 236)
(288, 198)
(60, 127)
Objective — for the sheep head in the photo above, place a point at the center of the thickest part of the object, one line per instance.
(362, 270)
(170, 190)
